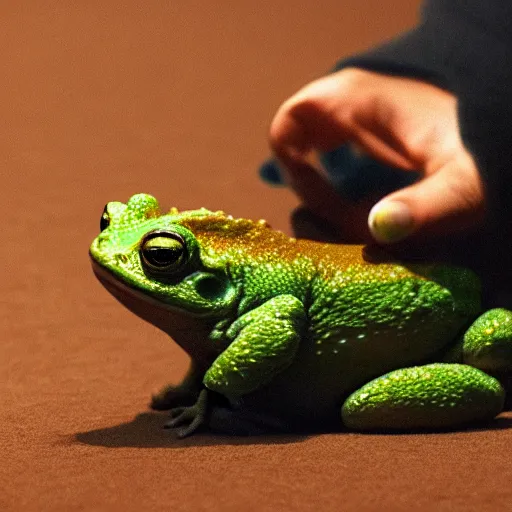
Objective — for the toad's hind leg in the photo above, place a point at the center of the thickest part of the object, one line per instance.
(488, 342)
(424, 397)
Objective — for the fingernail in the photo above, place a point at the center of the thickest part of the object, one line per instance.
(390, 221)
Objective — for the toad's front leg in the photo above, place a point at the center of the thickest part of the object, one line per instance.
(265, 341)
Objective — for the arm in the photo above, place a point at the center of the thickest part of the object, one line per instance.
(436, 100)
(465, 47)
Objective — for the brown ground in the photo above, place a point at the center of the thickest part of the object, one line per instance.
(101, 100)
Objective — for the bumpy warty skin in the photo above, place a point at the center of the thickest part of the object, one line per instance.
(292, 328)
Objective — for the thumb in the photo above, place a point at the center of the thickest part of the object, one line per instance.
(447, 200)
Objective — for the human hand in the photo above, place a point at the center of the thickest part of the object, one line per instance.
(401, 122)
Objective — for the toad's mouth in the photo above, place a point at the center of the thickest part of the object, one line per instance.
(189, 331)
(145, 306)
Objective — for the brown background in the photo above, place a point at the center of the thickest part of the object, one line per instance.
(100, 100)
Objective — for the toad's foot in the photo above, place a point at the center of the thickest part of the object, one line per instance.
(188, 420)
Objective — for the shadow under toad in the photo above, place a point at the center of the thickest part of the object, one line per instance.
(146, 431)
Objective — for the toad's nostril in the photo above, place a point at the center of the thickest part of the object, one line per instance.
(102, 239)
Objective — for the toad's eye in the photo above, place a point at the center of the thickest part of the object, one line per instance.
(163, 251)
(105, 219)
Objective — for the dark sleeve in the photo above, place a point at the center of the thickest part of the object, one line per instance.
(464, 46)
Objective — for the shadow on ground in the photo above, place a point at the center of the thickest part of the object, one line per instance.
(146, 431)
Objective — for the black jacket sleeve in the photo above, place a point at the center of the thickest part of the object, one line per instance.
(464, 46)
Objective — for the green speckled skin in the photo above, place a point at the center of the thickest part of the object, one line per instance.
(428, 395)
(289, 334)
